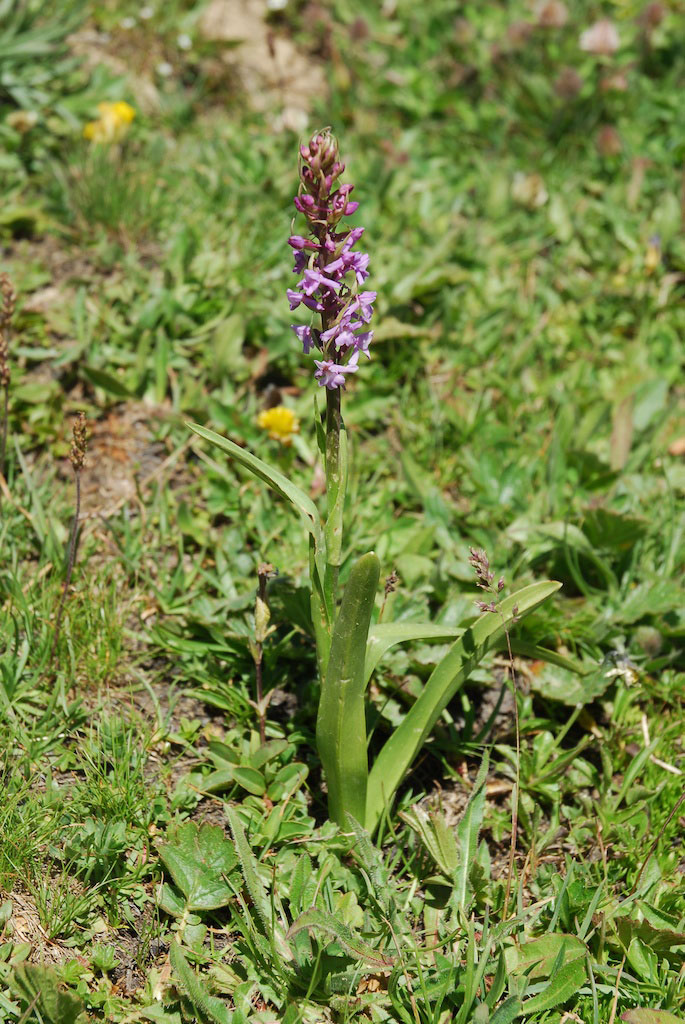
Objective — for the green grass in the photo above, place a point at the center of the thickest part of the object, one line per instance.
(524, 396)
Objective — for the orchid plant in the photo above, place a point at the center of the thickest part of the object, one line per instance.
(349, 644)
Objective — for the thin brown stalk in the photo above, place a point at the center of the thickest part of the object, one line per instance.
(71, 558)
(77, 457)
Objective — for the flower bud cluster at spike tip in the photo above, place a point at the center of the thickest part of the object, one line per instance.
(331, 275)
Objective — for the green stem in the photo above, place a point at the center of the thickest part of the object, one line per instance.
(336, 481)
(3, 432)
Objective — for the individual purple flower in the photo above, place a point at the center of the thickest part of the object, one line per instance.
(314, 279)
(306, 337)
(299, 242)
(362, 342)
(332, 375)
(330, 272)
(301, 263)
(363, 303)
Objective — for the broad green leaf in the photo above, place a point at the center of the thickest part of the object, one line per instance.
(170, 901)
(250, 779)
(399, 752)
(42, 988)
(198, 857)
(319, 920)
(341, 720)
(242, 775)
(643, 960)
(208, 1008)
(287, 780)
(659, 937)
(267, 752)
(158, 1015)
(273, 477)
(564, 985)
(643, 1016)
(555, 683)
(536, 958)
(507, 1012)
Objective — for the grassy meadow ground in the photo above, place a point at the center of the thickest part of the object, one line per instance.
(524, 205)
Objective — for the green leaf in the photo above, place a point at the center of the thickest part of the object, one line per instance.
(159, 1015)
(568, 687)
(536, 959)
(508, 1011)
(170, 901)
(643, 960)
(468, 831)
(287, 780)
(198, 857)
(209, 1009)
(437, 838)
(43, 990)
(386, 635)
(399, 752)
(564, 985)
(319, 920)
(100, 379)
(644, 1016)
(256, 887)
(273, 477)
(341, 720)
(250, 779)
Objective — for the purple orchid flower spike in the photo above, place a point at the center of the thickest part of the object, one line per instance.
(331, 274)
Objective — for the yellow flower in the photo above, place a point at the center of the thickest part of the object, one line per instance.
(280, 422)
(112, 124)
(652, 255)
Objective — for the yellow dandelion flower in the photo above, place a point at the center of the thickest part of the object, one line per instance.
(281, 423)
(112, 124)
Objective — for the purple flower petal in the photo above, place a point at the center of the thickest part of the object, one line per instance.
(305, 336)
(314, 279)
(332, 375)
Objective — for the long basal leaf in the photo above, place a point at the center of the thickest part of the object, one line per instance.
(387, 635)
(341, 720)
(399, 752)
(319, 920)
(467, 833)
(273, 477)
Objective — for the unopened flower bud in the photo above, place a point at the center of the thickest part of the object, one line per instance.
(262, 616)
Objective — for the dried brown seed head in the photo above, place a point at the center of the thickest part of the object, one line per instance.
(79, 446)
(9, 300)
